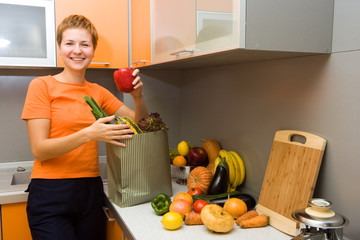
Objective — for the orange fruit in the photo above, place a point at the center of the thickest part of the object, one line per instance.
(186, 196)
(235, 206)
(179, 161)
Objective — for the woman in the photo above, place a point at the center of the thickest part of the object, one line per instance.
(66, 192)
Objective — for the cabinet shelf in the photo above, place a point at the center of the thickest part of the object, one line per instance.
(226, 57)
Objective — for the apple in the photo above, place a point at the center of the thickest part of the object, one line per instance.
(124, 79)
(197, 156)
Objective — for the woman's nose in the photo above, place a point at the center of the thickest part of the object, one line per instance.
(77, 48)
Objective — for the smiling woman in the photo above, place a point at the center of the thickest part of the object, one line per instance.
(63, 139)
(76, 49)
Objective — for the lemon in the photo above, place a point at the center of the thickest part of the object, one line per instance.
(183, 148)
(172, 220)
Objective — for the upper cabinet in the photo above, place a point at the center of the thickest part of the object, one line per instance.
(140, 33)
(27, 33)
(199, 33)
(111, 21)
(173, 29)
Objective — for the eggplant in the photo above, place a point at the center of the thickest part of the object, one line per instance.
(219, 183)
(220, 199)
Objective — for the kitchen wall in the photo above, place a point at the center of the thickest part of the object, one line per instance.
(243, 106)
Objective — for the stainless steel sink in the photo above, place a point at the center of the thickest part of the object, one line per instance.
(16, 176)
(20, 178)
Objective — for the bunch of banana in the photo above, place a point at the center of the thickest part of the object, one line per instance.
(236, 168)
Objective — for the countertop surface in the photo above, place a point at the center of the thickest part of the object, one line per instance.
(140, 222)
(143, 224)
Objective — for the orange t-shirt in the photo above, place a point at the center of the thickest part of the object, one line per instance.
(65, 106)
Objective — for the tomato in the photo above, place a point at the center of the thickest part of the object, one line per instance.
(195, 191)
(199, 204)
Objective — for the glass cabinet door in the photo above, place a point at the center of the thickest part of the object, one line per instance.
(27, 34)
(217, 25)
(173, 29)
(183, 28)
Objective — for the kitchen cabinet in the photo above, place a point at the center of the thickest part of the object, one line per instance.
(173, 28)
(140, 33)
(113, 230)
(27, 33)
(111, 22)
(15, 225)
(14, 222)
(234, 31)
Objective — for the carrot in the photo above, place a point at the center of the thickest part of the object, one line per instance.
(257, 221)
(193, 218)
(247, 215)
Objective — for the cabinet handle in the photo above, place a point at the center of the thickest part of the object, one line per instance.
(140, 61)
(186, 50)
(100, 63)
(110, 219)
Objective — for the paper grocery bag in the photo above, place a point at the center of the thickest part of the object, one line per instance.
(140, 171)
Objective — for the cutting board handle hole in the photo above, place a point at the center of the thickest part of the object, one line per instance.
(298, 138)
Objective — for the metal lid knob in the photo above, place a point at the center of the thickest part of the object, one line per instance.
(320, 215)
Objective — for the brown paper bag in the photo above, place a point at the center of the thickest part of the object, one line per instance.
(140, 171)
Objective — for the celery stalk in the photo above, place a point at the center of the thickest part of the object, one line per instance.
(96, 110)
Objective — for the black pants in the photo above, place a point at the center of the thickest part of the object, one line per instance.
(66, 209)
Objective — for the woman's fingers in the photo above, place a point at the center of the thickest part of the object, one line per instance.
(106, 119)
(135, 72)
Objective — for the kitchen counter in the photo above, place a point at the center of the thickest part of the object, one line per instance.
(140, 222)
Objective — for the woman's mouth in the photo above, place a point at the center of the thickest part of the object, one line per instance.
(77, 59)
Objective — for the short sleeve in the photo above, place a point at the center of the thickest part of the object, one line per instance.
(37, 102)
(109, 102)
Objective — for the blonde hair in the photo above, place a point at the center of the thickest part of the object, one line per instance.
(77, 21)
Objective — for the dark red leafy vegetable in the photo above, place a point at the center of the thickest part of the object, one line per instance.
(152, 123)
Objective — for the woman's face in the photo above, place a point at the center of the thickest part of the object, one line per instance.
(76, 48)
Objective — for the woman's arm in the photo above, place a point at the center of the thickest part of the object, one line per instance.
(43, 147)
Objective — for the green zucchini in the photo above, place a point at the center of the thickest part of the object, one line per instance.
(220, 199)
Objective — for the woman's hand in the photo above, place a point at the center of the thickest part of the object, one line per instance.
(110, 133)
(138, 85)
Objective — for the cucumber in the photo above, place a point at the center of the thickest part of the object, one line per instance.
(220, 199)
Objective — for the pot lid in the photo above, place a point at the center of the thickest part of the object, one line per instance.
(337, 221)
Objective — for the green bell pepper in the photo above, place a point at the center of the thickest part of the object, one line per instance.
(161, 204)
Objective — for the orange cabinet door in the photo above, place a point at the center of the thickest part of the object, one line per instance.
(14, 222)
(111, 21)
(140, 33)
(113, 230)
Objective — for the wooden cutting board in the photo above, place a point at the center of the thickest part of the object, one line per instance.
(290, 177)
